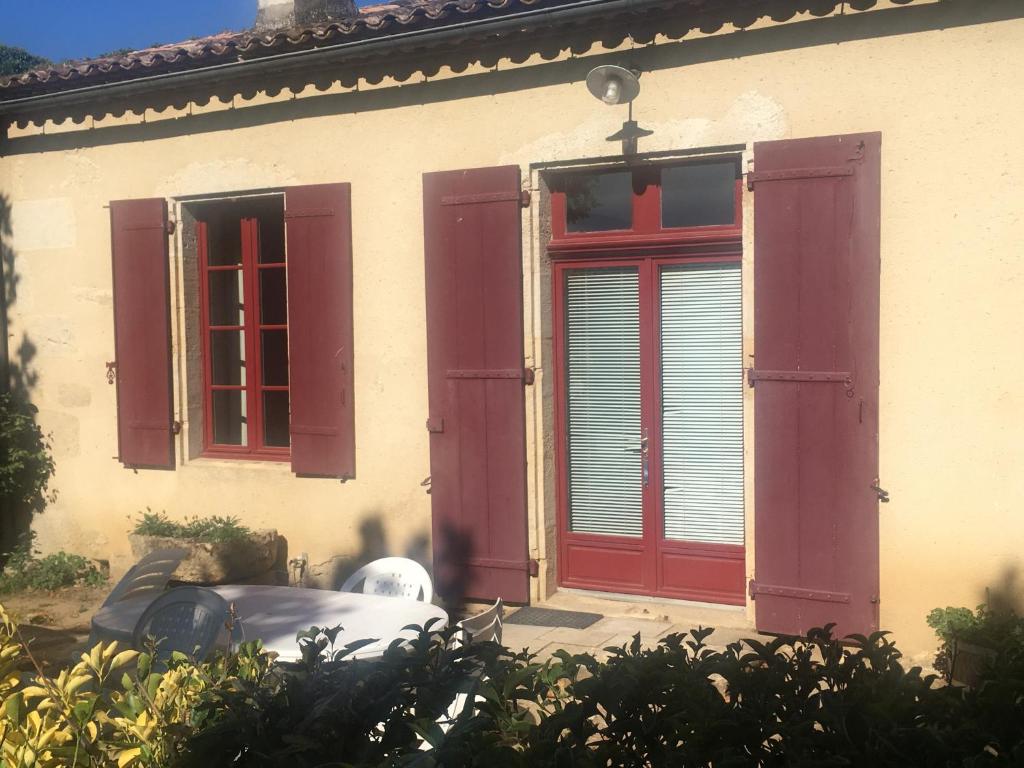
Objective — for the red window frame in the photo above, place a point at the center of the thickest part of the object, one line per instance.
(250, 267)
(649, 247)
(647, 235)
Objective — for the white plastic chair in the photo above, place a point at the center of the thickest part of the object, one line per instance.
(484, 627)
(143, 582)
(192, 620)
(393, 577)
(481, 628)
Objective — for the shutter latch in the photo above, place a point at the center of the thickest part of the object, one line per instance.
(435, 424)
(111, 371)
(883, 495)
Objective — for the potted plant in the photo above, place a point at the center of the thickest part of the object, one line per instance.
(220, 549)
(971, 640)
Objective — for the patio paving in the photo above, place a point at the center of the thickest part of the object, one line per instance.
(622, 620)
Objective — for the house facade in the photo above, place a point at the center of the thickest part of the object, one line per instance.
(380, 280)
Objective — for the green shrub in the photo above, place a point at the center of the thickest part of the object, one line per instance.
(211, 529)
(1000, 630)
(26, 465)
(24, 570)
(787, 702)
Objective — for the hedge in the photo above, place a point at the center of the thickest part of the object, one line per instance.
(811, 702)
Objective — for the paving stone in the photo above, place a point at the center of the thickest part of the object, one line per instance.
(547, 651)
(630, 626)
(589, 637)
(519, 636)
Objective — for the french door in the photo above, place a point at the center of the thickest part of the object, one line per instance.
(650, 413)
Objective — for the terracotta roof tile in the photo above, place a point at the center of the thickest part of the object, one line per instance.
(373, 21)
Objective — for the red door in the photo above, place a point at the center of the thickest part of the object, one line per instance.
(477, 423)
(649, 379)
(816, 294)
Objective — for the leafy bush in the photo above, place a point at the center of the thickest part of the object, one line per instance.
(211, 529)
(14, 61)
(111, 708)
(24, 570)
(786, 702)
(26, 465)
(1000, 630)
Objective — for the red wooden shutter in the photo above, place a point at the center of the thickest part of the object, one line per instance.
(475, 371)
(142, 332)
(816, 294)
(319, 239)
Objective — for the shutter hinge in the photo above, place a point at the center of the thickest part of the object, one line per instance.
(435, 425)
(524, 198)
(533, 568)
(111, 371)
(172, 226)
(528, 376)
(176, 427)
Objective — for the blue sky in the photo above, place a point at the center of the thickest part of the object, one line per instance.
(75, 29)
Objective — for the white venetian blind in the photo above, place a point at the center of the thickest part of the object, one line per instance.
(603, 350)
(702, 394)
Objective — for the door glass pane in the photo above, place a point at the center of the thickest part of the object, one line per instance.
(275, 419)
(702, 403)
(227, 359)
(598, 202)
(698, 195)
(226, 294)
(603, 350)
(229, 417)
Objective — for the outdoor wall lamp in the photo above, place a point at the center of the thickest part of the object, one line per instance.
(618, 85)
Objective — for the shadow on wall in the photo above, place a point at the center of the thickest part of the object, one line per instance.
(448, 570)
(18, 378)
(1008, 593)
(373, 544)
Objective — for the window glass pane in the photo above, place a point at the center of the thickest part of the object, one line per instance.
(698, 195)
(224, 241)
(275, 419)
(226, 298)
(603, 366)
(275, 358)
(273, 297)
(229, 417)
(227, 362)
(597, 202)
(272, 239)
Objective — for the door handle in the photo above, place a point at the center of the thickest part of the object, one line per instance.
(645, 458)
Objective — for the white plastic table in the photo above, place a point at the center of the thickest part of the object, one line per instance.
(276, 614)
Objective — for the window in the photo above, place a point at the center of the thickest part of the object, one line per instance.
(267, 347)
(244, 328)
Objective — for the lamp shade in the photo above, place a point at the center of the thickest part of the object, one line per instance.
(612, 84)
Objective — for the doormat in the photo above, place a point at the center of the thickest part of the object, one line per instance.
(550, 617)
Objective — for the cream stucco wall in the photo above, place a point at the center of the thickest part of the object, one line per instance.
(946, 97)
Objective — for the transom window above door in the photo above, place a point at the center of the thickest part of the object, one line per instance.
(646, 206)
